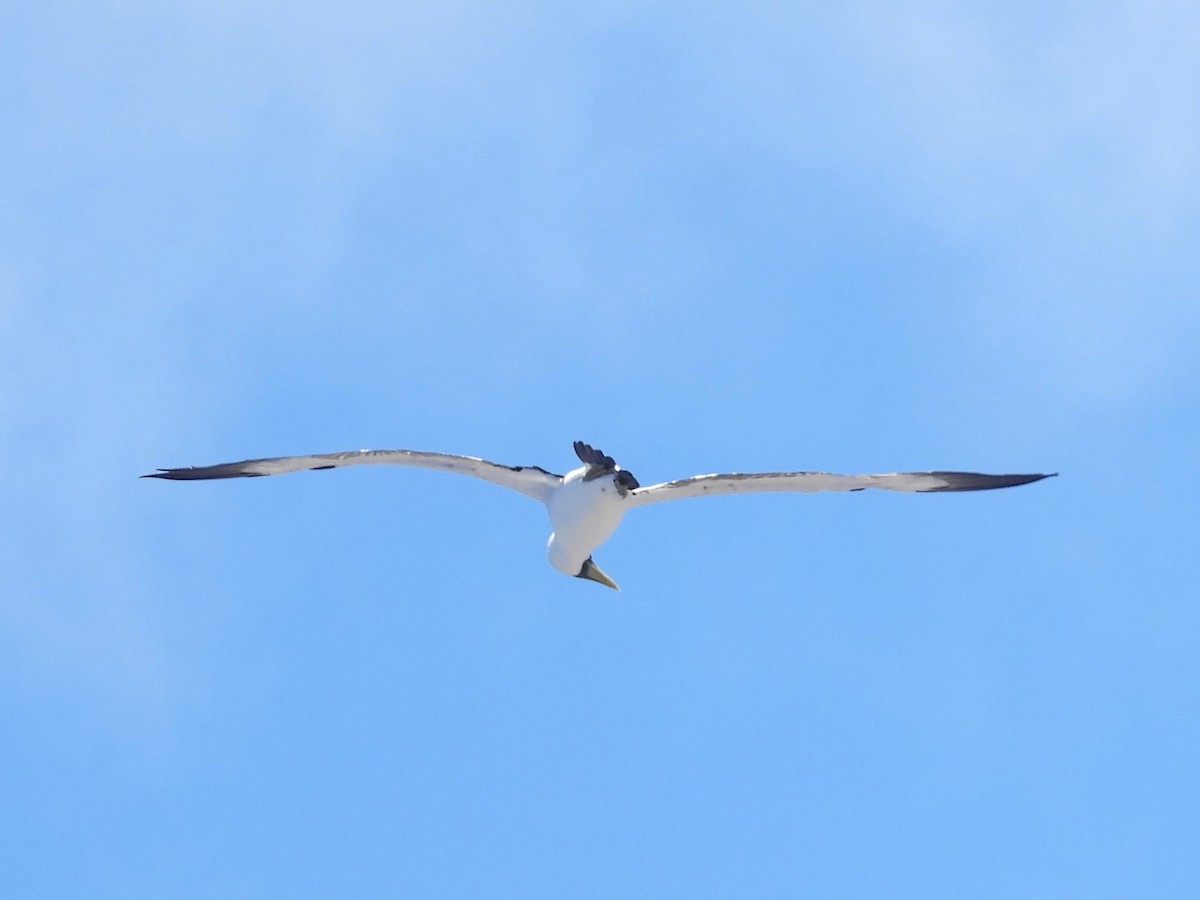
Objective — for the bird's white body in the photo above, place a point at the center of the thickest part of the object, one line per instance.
(586, 504)
(583, 513)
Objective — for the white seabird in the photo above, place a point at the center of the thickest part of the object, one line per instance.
(586, 504)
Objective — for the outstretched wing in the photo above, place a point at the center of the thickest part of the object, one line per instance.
(811, 482)
(531, 481)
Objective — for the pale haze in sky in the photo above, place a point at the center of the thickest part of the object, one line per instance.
(852, 237)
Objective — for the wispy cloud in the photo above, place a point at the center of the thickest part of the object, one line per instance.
(1071, 150)
(178, 186)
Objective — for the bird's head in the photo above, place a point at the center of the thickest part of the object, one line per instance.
(592, 572)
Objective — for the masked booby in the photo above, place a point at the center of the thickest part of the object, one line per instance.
(586, 505)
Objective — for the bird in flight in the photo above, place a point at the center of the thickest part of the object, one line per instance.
(586, 505)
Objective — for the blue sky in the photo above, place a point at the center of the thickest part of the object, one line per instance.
(854, 237)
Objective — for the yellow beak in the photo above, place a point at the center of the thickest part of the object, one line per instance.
(592, 572)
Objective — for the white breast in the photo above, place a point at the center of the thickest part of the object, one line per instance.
(583, 515)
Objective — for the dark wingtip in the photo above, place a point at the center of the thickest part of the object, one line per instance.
(972, 481)
(171, 475)
(1037, 476)
(203, 473)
